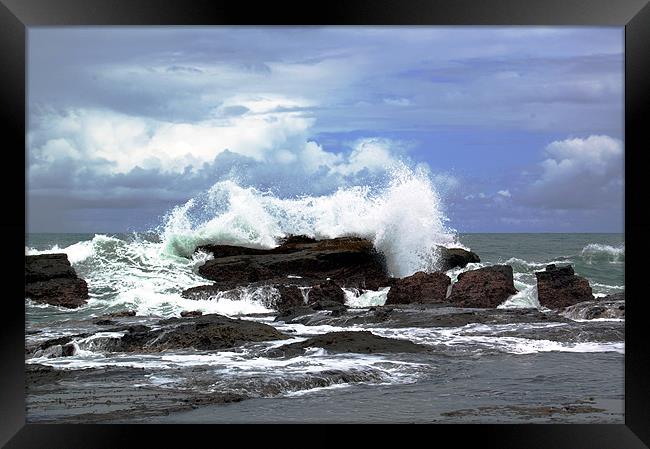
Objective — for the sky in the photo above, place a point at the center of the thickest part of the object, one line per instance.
(519, 128)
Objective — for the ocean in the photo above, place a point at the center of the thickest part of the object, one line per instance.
(517, 363)
(510, 372)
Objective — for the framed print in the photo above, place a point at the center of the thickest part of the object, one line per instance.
(361, 213)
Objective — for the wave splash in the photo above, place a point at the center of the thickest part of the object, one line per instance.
(595, 252)
(148, 272)
(403, 218)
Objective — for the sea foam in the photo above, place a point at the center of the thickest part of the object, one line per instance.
(403, 217)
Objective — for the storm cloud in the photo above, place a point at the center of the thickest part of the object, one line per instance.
(125, 123)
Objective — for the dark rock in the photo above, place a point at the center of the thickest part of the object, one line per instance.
(190, 314)
(419, 287)
(348, 261)
(104, 322)
(363, 342)
(320, 302)
(130, 328)
(37, 374)
(221, 251)
(421, 315)
(326, 304)
(455, 258)
(54, 341)
(122, 314)
(49, 278)
(559, 287)
(202, 292)
(290, 296)
(613, 297)
(296, 240)
(292, 313)
(382, 313)
(611, 306)
(64, 292)
(44, 267)
(327, 291)
(68, 350)
(483, 288)
(207, 332)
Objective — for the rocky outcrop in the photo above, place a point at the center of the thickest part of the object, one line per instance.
(363, 342)
(49, 278)
(483, 288)
(611, 306)
(290, 296)
(347, 261)
(455, 258)
(325, 292)
(419, 288)
(207, 332)
(559, 287)
(191, 313)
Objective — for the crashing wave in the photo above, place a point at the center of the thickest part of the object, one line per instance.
(599, 252)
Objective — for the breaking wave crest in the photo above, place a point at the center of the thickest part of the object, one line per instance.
(403, 218)
(147, 272)
(597, 252)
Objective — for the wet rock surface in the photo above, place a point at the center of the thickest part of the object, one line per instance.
(362, 342)
(290, 296)
(49, 278)
(485, 288)
(106, 394)
(420, 315)
(455, 257)
(348, 261)
(559, 287)
(207, 332)
(528, 411)
(419, 287)
(325, 293)
(610, 306)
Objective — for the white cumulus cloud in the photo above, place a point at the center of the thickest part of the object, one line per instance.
(580, 173)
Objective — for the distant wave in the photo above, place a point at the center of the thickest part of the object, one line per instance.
(600, 252)
(524, 264)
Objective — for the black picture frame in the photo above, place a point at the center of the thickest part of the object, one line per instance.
(634, 15)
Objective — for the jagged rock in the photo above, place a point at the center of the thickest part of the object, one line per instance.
(347, 261)
(64, 292)
(44, 267)
(327, 291)
(190, 314)
(611, 306)
(290, 296)
(559, 287)
(483, 288)
(455, 258)
(49, 278)
(418, 288)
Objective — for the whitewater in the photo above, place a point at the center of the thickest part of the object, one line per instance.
(406, 220)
